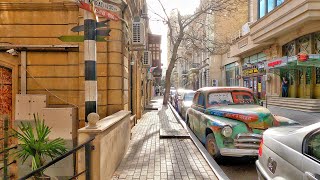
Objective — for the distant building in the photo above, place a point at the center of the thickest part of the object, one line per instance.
(155, 49)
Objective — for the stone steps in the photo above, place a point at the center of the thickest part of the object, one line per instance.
(307, 105)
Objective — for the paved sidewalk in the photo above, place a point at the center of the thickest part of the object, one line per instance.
(169, 126)
(150, 157)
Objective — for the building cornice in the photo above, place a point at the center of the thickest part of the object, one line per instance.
(30, 6)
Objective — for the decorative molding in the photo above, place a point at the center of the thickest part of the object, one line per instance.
(11, 6)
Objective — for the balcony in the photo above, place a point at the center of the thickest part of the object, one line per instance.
(290, 16)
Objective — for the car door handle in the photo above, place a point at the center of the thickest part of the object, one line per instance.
(311, 176)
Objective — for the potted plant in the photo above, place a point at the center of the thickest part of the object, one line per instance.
(35, 143)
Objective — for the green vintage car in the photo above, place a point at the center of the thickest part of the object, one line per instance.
(229, 121)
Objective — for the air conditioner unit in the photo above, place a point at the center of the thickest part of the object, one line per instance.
(138, 33)
(146, 61)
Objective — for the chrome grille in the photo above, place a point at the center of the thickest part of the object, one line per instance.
(247, 141)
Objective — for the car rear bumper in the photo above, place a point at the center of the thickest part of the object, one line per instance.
(262, 174)
(238, 152)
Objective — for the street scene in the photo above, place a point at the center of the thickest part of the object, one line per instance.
(159, 89)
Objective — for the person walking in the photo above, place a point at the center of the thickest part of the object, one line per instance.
(285, 87)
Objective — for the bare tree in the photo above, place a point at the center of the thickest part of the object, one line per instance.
(178, 26)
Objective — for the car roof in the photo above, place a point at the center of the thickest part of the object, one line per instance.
(219, 89)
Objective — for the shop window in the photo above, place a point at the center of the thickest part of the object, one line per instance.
(289, 49)
(261, 57)
(300, 77)
(318, 75)
(303, 44)
(308, 75)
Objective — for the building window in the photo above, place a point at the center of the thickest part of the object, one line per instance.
(271, 5)
(303, 44)
(279, 2)
(266, 6)
(262, 8)
(289, 49)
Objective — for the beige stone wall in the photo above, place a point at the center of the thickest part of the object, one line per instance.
(61, 72)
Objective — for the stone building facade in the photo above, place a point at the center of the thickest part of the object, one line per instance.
(34, 61)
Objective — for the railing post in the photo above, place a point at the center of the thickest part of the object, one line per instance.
(5, 145)
(88, 160)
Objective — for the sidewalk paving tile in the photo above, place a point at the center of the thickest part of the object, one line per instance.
(149, 157)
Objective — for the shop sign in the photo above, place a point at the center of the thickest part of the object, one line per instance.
(279, 62)
(313, 60)
(247, 72)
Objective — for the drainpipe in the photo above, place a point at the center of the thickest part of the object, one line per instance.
(23, 72)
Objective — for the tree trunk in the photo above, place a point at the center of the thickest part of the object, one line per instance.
(168, 82)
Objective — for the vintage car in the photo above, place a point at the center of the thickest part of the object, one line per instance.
(290, 153)
(229, 121)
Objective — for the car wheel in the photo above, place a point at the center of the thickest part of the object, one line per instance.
(212, 147)
(187, 121)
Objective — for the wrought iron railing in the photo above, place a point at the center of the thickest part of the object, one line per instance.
(5, 151)
(88, 148)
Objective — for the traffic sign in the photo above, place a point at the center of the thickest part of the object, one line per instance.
(81, 27)
(99, 11)
(106, 6)
(78, 38)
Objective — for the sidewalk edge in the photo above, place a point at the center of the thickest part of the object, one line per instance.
(212, 163)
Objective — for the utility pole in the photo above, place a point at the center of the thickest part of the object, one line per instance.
(90, 56)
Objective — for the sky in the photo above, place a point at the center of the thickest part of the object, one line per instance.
(184, 6)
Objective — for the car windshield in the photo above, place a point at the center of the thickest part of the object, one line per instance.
(189, 96)
(230, 98)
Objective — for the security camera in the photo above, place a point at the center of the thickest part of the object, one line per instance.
(13, 52)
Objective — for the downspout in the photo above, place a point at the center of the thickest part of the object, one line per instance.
(23, 72)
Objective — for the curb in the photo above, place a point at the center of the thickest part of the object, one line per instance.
(212, 163)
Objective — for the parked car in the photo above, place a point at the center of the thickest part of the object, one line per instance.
(290, 153)
(185, 102)
(229, 121)
(172, 95)
(177, 97)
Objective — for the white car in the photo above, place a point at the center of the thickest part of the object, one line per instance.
(291, 152)
(185, 102)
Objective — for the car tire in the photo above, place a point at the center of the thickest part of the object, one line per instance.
(212, 147)
(187, 122)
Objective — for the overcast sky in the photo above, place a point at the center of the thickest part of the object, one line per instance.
(185, 7)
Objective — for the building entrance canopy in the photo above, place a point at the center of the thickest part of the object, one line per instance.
(312, 60)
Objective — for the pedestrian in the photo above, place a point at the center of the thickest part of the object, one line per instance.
(157, 92)
(285, 87)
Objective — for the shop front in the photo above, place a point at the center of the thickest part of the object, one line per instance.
(300, 66)
(253, 73)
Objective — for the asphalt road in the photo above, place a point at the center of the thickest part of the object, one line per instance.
(244, 168)
(239, 168)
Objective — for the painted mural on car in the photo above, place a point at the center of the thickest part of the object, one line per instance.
(229, 121)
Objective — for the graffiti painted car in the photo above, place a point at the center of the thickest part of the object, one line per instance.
(229, 121)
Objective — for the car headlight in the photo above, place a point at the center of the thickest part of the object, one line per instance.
(226, 131)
